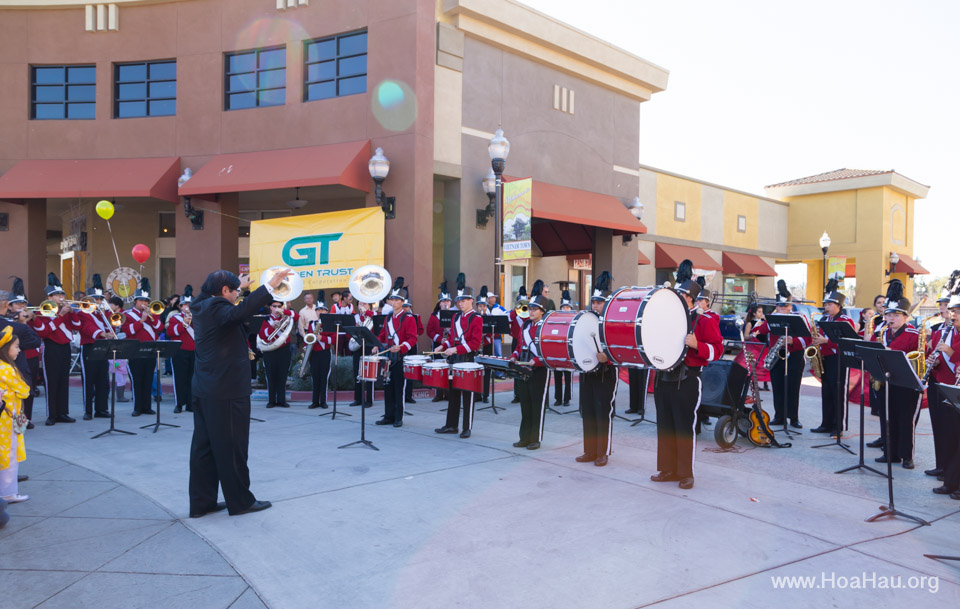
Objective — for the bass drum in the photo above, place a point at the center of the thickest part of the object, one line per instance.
(645, 327)
(569, 340)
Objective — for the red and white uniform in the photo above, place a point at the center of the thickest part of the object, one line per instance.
(516, 326)
(466, 335)
(342, 309)
(178, 329)
(136, 328)
(828, 349)
(58, 329)
(324, 339)
(709, 341)
(946, 370)
(272, 321)
(399, 329)
(526, 343)
(906, 340)
(92, 327)
(798, 344)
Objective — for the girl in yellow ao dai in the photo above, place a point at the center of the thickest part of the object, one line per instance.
(13, 389)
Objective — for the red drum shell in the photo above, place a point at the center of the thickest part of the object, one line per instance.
(370, 367)
(412, 367)
(468, 377)
(435, 375)
(618, 330)
(553, 346)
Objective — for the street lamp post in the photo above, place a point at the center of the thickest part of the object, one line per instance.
(499, 150)
(824, 246)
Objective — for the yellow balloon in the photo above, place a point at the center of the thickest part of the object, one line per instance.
(105, 209)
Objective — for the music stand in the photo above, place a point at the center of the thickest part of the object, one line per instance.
(333, 323)
(378, 321)
(363, 336)
(113, 350)
(951, 395)
(156, 350)
(893, 367)
(446, 317)
(848, 351)
(837, 331)
(788, 325)
(493, 325)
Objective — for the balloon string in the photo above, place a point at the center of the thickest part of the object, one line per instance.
(114, 241)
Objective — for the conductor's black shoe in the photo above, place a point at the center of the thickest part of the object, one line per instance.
(821, 429)
(940, 477)
(779, 422)
(217, 508)
(665, 477)
(151, 411)
(631, 411)
(908, 464)
(101, 415)
(283, 405)
(446, 429)
(686, 483)
(883, 459)
(533, 446)
(50, 421)
(22, 477)
(368, 405)
(323, 405)
(465, 433)
(65, 419)
(520, 444)
(410, 401)
(556, 402)
(177, 410)
(355, 403)
(933, 472)
(384, 422)
(601, 461)
(312, 406)
(878, 443)
(485, 400)
(944, 490)
(515, 401)
(135, 413)
(257, 506)
(955, 495)
(30, 425)
(796, 424)
(87, 416)
(271, 405)
(566, 402)
(585, 458)
(398, 423)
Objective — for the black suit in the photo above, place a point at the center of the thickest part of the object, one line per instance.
(28, 340)
(221, 402)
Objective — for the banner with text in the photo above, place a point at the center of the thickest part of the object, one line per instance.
(323, 248)
(837, 268)
(517, 219)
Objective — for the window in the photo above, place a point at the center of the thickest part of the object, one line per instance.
(63, 92)
(255, 78)
(679, 211)
(145, 89)
(741, 224)
(167, 225)
(335, 66)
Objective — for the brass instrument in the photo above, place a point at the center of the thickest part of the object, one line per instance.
(370, 283)
(289, 289)
(926, 362)
(868, 331)
(771, 359)
(278, 336)
(155, 309)
(116, 319)
(813, 354)
(308, 340)
(47, 308)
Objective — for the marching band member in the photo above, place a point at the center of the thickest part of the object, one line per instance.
(944, 344)
(943, 305)
(830, 382)
(702, 307)
(276, 362)
(487, 344)
(119, 368)
(598, 390)
(754, 316)
(532, 391)
(408, 309)
(463, 343)
(677, 391)
(319, 358)
(362, 392)
(96, 375)
(794, 364)
(436, 332)
(399, 332)
(517, 316)
(869, 313)
(140, 324)
(903, 409)
(57, 334)
(19, 305)
(345, 305)
(180, 327)
(563, 379)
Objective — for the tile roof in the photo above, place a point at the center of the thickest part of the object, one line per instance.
(838, 174)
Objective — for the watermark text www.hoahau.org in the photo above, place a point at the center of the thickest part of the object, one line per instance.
(865, 580)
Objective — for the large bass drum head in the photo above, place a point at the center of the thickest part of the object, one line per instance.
(585, 340)
(664, 323)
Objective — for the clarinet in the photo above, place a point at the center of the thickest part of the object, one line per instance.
(934, 359)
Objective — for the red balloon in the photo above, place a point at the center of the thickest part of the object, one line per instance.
(141, 253)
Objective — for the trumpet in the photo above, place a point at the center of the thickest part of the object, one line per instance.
(47, 308)
(157, 308)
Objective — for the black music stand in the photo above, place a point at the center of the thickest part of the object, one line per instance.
(493, 325)
(837, 331)
(446, 317)
(363, 336)
(951, 395)
(849, 352)
(113, 350)
(156, 350)
(893, 367)
(789, 325)
(333, 323)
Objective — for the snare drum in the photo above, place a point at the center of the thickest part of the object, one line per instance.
(468, 376)
(645, 327)
(412, 367)
(436, 374)
(569, 340)
(372, 368)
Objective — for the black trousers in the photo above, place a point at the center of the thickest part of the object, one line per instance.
(904, 413)
(454, 399)
(276, 368)
(183, 363)
(533, 403)
(56, 374)
(638, 379)
(33, 363)
(677, 405)
(408, 387)
(878, 402)
(96, 382)
(319, 374)
(946, 426)
(218, 454)
(597, 391)
(829, 387)
(795, 363)
(393, 391)
(362, 391)
(561, 386)
(142, 371)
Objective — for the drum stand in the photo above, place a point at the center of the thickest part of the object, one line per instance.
(336, 369)
(363, 441)
(493, 387)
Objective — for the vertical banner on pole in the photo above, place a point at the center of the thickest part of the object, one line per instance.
(837, 268)
(517, 219)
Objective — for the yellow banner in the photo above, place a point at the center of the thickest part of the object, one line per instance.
(517, 219)
(837, 268)
(323, 248)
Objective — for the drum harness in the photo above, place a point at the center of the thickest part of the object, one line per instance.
(462, 339)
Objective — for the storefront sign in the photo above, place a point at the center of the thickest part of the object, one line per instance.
(517, 219)
(244, 269)
(583, 264)
(323, 248)
(837, 268)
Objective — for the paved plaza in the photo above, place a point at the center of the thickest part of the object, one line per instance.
(434, 521)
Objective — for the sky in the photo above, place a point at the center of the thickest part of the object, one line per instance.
(762, 92)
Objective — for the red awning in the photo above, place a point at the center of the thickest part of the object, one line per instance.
(909, 266)
(670, 257)
(76, 178)
(641, 259)
(746, 264)
(582, 207)
(851, 270)
(344, 164)
(562, 238)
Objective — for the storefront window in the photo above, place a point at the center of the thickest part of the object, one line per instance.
(518, 277)
(739, 287)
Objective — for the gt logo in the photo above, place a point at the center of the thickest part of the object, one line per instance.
(302, 251)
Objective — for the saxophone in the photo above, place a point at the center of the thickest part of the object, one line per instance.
(867, 333)
(771, 359)
(814, 355)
